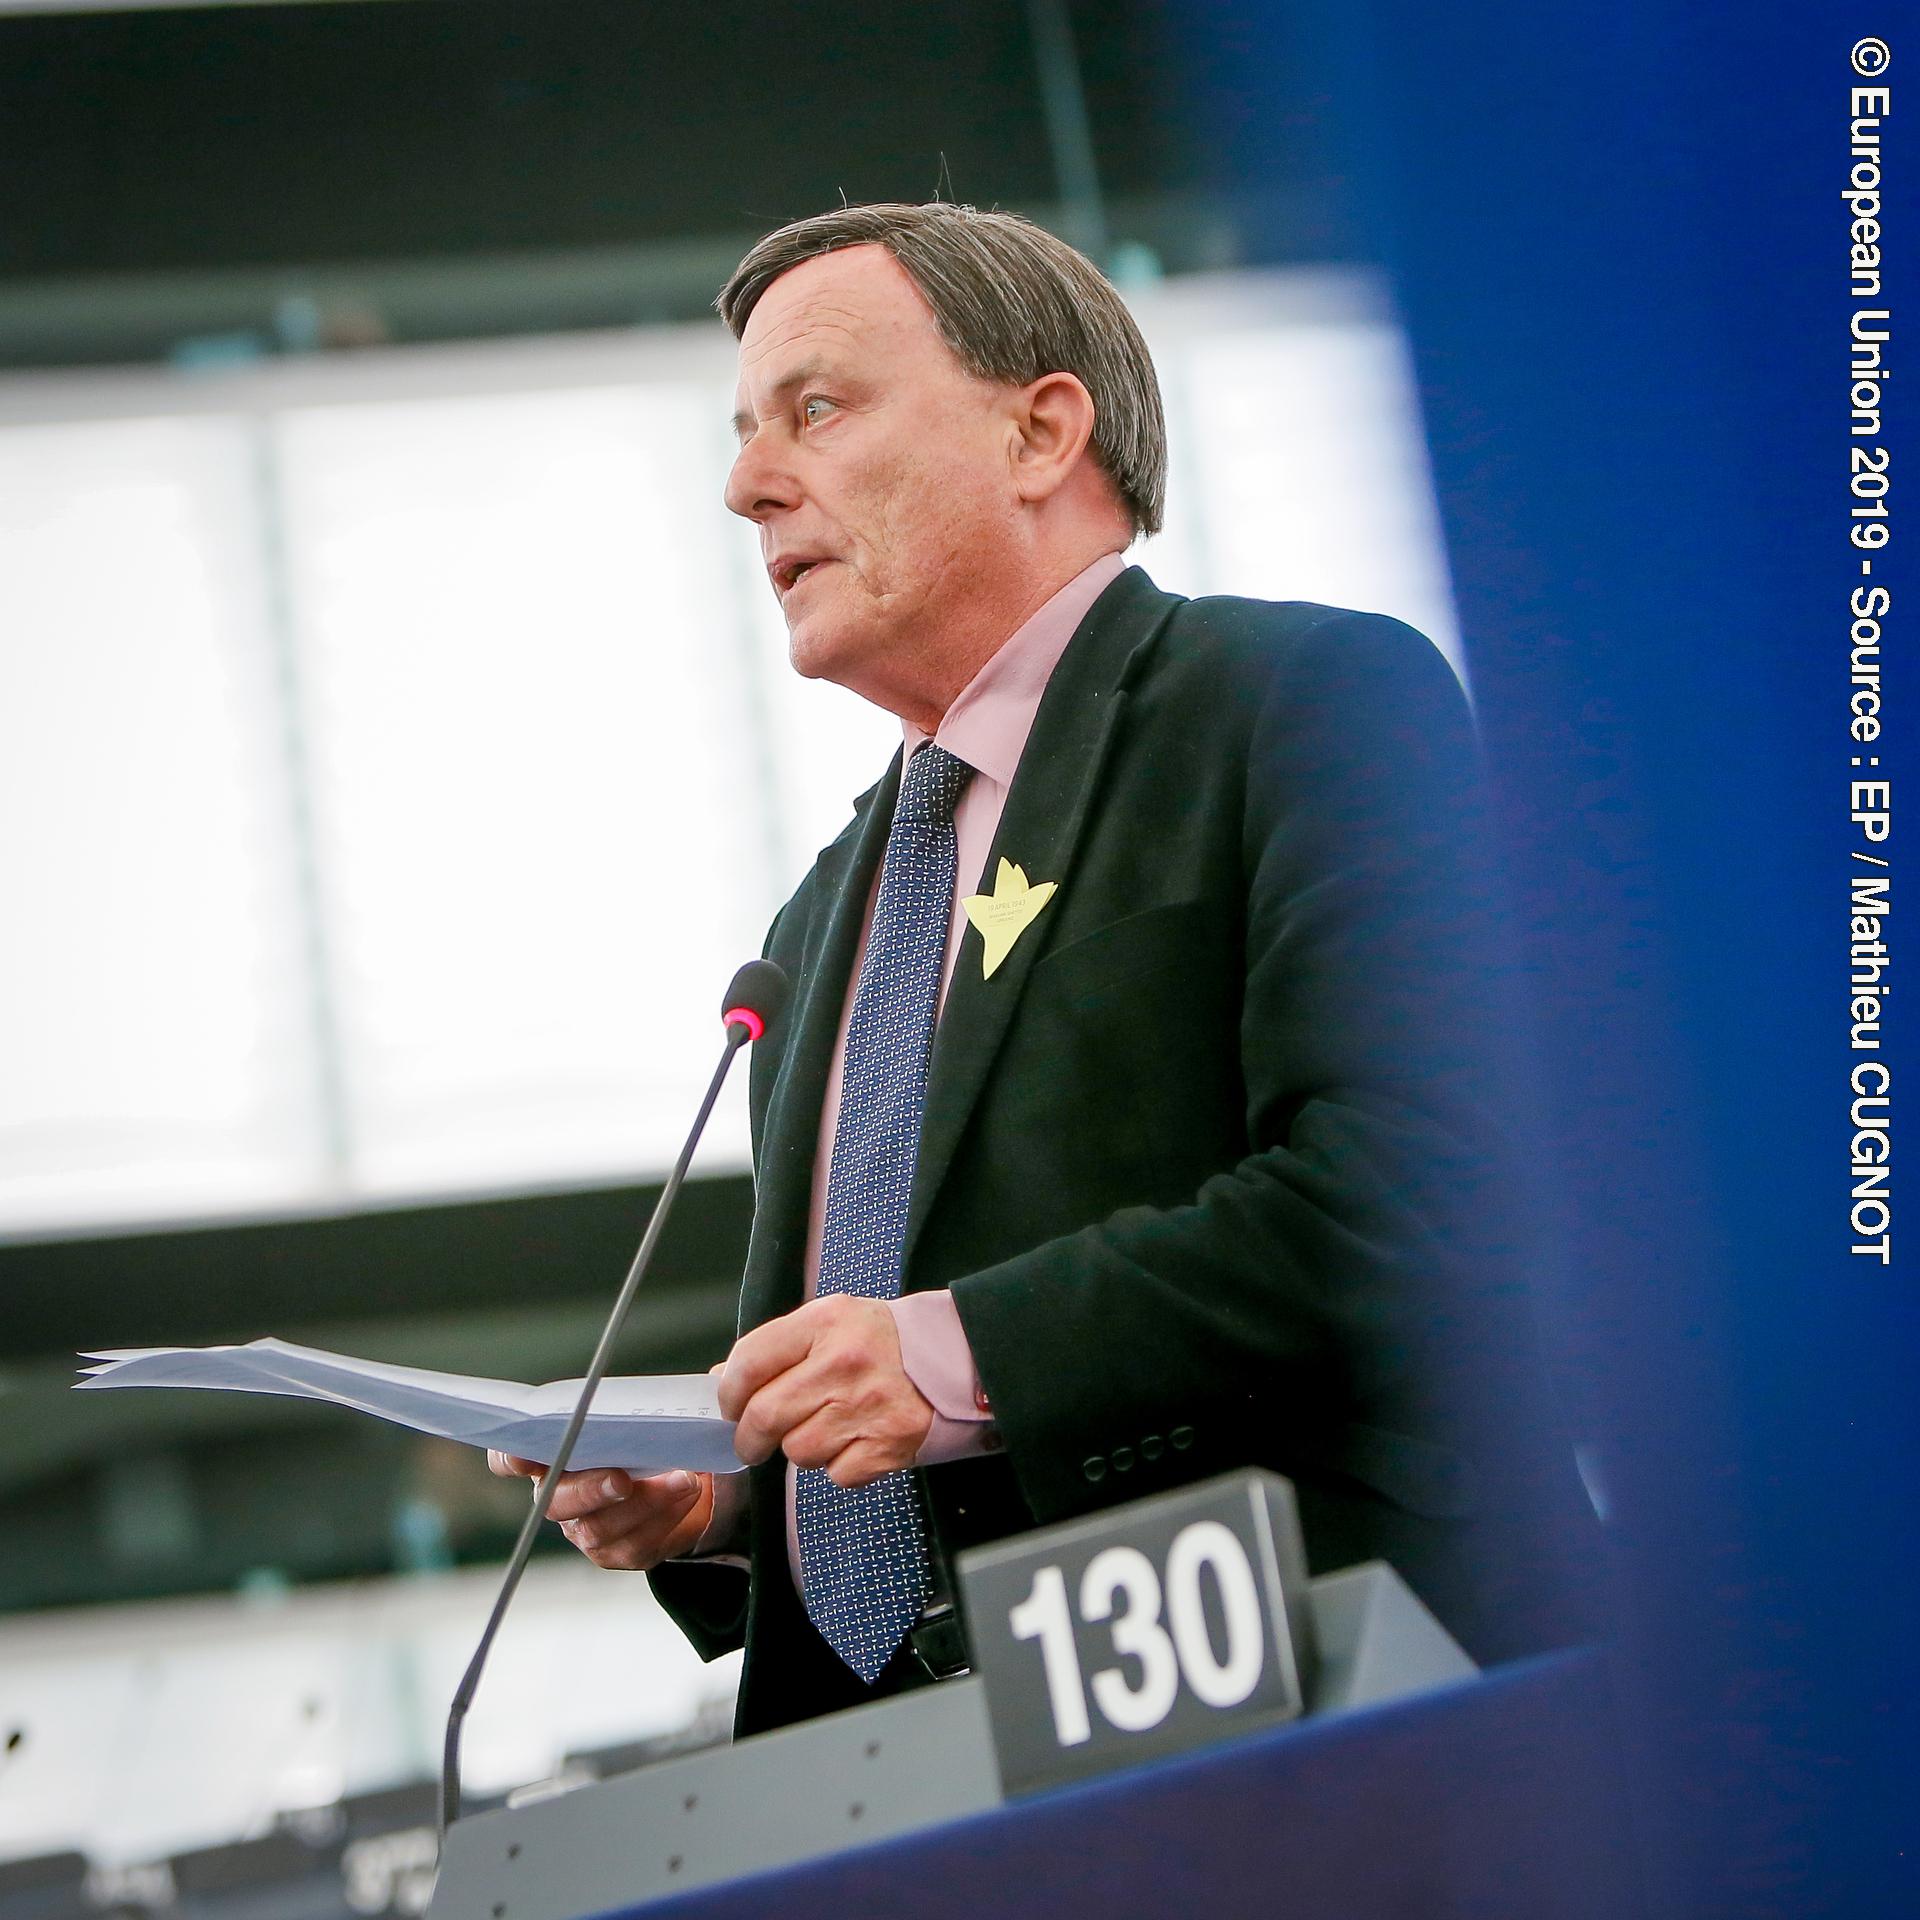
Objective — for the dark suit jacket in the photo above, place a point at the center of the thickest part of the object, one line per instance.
(1210, 1163)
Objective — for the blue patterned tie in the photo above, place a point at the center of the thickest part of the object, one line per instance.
(863, 1551)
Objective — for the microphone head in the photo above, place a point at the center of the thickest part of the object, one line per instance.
(756, 997)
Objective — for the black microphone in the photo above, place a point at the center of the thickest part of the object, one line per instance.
(753, 1002)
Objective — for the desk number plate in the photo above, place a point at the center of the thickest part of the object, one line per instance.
(1143, 1630)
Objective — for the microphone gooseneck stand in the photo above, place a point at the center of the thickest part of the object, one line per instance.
(758, 991)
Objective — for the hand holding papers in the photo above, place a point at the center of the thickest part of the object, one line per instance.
(646, 1425)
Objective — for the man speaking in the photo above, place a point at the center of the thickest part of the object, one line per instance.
(1135, 1117)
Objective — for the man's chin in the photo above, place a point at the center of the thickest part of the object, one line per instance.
(816, 650)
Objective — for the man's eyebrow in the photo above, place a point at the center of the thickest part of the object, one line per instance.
(808, 369)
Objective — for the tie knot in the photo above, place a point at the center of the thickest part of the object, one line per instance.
(931, 787)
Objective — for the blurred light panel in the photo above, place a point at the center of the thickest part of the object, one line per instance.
(154, 1049)
(534, 806)
(166, 1725)
(1305, 476)
(399, 751)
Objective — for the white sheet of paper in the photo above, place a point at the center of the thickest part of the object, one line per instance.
(644, 1424)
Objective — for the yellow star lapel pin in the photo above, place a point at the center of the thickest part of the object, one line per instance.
(1006, 913)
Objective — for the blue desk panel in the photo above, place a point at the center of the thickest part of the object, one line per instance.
(1492, 1798)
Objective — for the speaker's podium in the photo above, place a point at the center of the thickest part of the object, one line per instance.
(1167, 1717)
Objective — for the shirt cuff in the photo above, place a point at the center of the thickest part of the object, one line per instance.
(725, 1537)
(936, 1357)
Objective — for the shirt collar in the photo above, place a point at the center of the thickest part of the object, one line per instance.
(988, 723)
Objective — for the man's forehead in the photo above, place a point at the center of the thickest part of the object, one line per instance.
(853, 298)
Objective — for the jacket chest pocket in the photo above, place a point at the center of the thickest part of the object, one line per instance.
(1092, 968)
(1124, 1078)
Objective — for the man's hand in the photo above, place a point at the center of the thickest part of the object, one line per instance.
(824, 1384)
(619, 1520)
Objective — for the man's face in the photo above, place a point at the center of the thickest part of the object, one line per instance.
(876, 466)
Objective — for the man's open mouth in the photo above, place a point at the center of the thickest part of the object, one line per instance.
(789, 573)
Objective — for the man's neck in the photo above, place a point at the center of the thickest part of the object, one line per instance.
(966, 647)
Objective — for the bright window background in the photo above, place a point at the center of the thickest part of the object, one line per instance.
(535, 813)
(179, 1724)
(398, 753)
(155, 1054)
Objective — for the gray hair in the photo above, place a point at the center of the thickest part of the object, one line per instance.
(1014, 303)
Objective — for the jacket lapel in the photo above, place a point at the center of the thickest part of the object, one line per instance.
(1045, 816)
(1046, 813)
(842, 879)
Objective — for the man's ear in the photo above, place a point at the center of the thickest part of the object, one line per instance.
(1053, 427)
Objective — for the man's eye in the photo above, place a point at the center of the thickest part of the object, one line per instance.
(814, 407)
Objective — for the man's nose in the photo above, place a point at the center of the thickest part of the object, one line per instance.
(760, 482)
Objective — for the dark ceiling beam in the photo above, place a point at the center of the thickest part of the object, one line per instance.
(218, 1284)
(127, 318)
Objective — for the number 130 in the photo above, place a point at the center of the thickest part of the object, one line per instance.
(1182, 1647)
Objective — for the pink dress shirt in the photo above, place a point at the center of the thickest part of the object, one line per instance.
(987, 727)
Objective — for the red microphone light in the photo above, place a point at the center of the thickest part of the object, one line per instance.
(755, 997)
(747, 1018)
